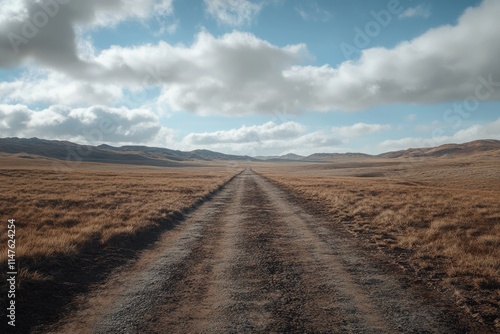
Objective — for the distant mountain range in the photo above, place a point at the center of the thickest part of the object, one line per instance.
(155, 156)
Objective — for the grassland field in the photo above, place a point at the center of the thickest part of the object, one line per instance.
(439, 217)
(59, 213)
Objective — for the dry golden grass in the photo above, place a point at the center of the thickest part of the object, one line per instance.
(446, 213)
(58, 212)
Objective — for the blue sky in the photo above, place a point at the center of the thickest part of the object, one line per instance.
(261, 77)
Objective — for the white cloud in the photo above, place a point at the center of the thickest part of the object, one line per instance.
(122, 126)
(55, 88)
(239, 73)
(93, 125)
(236, 73)
(446, 63)
(360, 129)
(410, 142)
(164, 7)
(233, 12)
(474, 132)
(488, 130)
(411, 117)
(12, 10)
(46, 30)
(313, 12)
(172, 28)
(266, 139)
(418, 11)
(246, 134)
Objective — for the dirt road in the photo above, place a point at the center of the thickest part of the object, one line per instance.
(252, 260)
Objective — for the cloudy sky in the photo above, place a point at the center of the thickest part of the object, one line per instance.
(260, 77)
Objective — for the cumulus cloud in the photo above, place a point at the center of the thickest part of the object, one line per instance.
(479, 131)
(92, 125)
(360, 129)
(51, 87)
(446, 63)
(45, 30)
(236, 73)
(418, 11)
(122, 126)
(265, 139)
(239, 73)
(246, 134)
(233, 12)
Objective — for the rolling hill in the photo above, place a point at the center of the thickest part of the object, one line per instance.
(156, 156)
(486, 146)
(134, 155)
